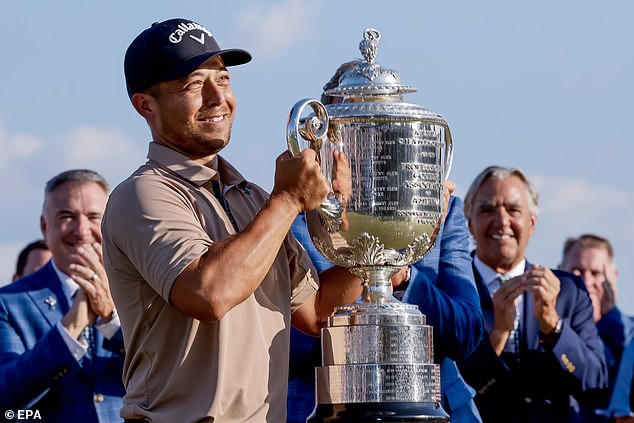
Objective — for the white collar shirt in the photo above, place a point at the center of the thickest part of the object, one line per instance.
(490, 276)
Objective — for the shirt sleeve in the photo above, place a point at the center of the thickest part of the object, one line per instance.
(109, 328)
(154, 227)
(75, 346)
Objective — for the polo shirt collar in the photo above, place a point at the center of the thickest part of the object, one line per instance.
(193, 171)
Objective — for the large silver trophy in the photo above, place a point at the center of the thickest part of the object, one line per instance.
(377, 354)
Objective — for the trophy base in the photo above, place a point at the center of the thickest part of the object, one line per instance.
(371, 412)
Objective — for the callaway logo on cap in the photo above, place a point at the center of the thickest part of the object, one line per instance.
(171, 50)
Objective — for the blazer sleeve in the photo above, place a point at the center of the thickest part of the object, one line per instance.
(299, 229)
(27, 373)
(485, 371)
(615, 329)
(443, 287)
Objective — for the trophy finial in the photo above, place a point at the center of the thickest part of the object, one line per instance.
(370, 44)
(369, 78)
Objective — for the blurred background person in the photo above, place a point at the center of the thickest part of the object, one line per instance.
(592, 257)
(61, 348)
(33, 256)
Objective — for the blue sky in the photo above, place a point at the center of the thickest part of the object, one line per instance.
(544, 86)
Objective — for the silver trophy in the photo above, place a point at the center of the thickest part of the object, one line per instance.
(377, 353)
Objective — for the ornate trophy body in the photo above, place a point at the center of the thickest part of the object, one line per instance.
(377, 353)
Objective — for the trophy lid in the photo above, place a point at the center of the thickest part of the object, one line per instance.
(372, 91)
(369, 78)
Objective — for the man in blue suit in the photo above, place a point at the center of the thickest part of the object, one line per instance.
(541, 358)
(61, 349)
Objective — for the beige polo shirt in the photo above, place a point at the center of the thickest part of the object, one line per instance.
(179, 369)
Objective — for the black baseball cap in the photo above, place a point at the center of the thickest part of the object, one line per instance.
(170, 50)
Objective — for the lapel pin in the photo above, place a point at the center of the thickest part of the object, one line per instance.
(51, 302)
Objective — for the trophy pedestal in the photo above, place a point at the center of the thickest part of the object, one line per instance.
(371, 412)
(377, 367)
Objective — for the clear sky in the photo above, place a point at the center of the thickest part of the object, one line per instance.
(541, 85)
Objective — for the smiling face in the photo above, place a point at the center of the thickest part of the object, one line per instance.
(192, 115)
(71, 219)
(594, 264)
(501, 222)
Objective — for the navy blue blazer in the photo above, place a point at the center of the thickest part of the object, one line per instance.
(38, 372)
(541, 385)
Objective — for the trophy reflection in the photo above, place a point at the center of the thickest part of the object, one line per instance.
(377, 353)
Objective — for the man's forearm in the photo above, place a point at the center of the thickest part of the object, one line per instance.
(337, 287)
(233, 268)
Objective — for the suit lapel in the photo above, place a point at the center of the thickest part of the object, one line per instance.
(47, 294)
(486, 303)
(48, 304)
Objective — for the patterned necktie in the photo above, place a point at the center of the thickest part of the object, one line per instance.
(513, 343)
(88, 336)
(515, 333)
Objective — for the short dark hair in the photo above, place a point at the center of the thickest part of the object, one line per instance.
(38, 244)
(588, 241)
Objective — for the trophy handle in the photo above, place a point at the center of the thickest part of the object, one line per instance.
(449, 151)
(314, 129)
